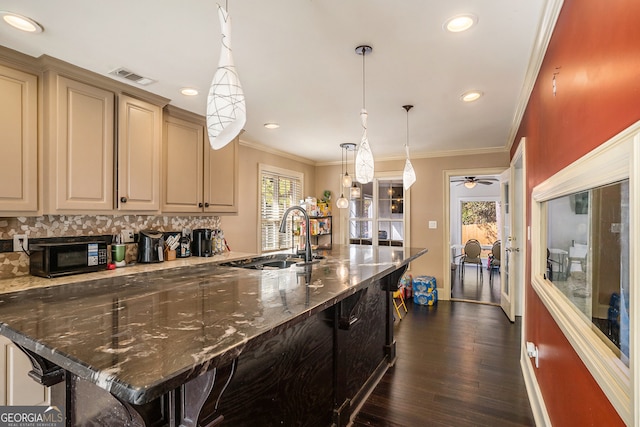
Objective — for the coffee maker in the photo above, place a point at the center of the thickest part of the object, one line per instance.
(201, 244)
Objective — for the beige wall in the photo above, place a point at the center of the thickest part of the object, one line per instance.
(240, 229)
(427, 202)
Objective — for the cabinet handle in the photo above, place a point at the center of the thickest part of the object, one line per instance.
(206, 204)
(200, 204)
(123, 199)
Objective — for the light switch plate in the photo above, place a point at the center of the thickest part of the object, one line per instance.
(126, 236)
(17, 247)
(433, 224)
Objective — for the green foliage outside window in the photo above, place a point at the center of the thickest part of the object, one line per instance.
(478, 213)
(479, 222)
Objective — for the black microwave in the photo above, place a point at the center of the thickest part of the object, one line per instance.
(62, 259)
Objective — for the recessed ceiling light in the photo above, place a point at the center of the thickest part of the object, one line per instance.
(470, 96)
(189, 91)
(459, 23)
(271, 125)
(21, 22)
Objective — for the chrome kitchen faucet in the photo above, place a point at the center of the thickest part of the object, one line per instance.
(308, 257)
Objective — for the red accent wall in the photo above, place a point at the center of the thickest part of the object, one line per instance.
(595, 53)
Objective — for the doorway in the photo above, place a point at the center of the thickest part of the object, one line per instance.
(473, 213)
(514, 249)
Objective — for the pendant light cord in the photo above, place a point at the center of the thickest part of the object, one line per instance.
(354, 162)
(406, 144)
(364, 53)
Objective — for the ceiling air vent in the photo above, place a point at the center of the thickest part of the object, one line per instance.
(130, 75)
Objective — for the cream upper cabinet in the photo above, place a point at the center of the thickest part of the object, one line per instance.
(182, 165)
(139, 141)
(221, 178)
(19, 142)
(79, 147)
(196, 179)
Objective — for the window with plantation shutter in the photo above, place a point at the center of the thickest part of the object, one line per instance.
(279, 189)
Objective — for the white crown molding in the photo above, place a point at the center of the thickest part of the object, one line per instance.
(545, 31)
(457, 153)
(264, 148)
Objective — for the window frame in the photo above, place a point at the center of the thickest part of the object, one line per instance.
(274, 170)
(384, 176)
(615, 160)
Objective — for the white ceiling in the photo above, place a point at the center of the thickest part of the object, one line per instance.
(297, 64)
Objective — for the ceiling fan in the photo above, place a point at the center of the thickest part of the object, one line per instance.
(472, 181)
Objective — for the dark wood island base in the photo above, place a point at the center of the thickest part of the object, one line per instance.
(314, 373)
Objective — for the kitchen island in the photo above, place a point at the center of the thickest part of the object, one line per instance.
(209, 344)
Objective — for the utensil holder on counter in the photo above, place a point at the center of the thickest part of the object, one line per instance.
(169, 254)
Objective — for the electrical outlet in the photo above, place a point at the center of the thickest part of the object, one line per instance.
(17, 238)
(126, 236)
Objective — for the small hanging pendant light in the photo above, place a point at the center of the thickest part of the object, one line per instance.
(408, 175)
(364, 158)
(355, 190)
(226, 110)
(342, 202)
(346, 178)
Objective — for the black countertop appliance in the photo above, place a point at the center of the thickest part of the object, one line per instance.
(202, 244)
(150, 246)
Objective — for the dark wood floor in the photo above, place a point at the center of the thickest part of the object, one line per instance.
(472, 288)
(457, 365)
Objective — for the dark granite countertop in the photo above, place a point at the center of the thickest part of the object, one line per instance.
(139, 336)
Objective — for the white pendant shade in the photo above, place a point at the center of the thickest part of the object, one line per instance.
(408, 175)
(226, 110)
(355, 192)
(364, 157)
(342, 202)
(346, 180)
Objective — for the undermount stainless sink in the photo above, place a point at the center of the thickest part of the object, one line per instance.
(265, 262)
(270, 262)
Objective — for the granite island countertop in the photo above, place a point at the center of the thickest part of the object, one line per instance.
(141, 335)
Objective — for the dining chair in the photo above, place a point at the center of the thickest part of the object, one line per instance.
(471, 255)
(494, 259)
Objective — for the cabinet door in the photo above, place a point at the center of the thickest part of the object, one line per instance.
(81, 148)
(182, 166)
(139, 140)
(19, 130)
(16, 387)
(221, 178)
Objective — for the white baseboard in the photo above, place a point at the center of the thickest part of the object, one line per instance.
(536, 401)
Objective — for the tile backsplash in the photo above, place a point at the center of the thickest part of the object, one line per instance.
(13, 264)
